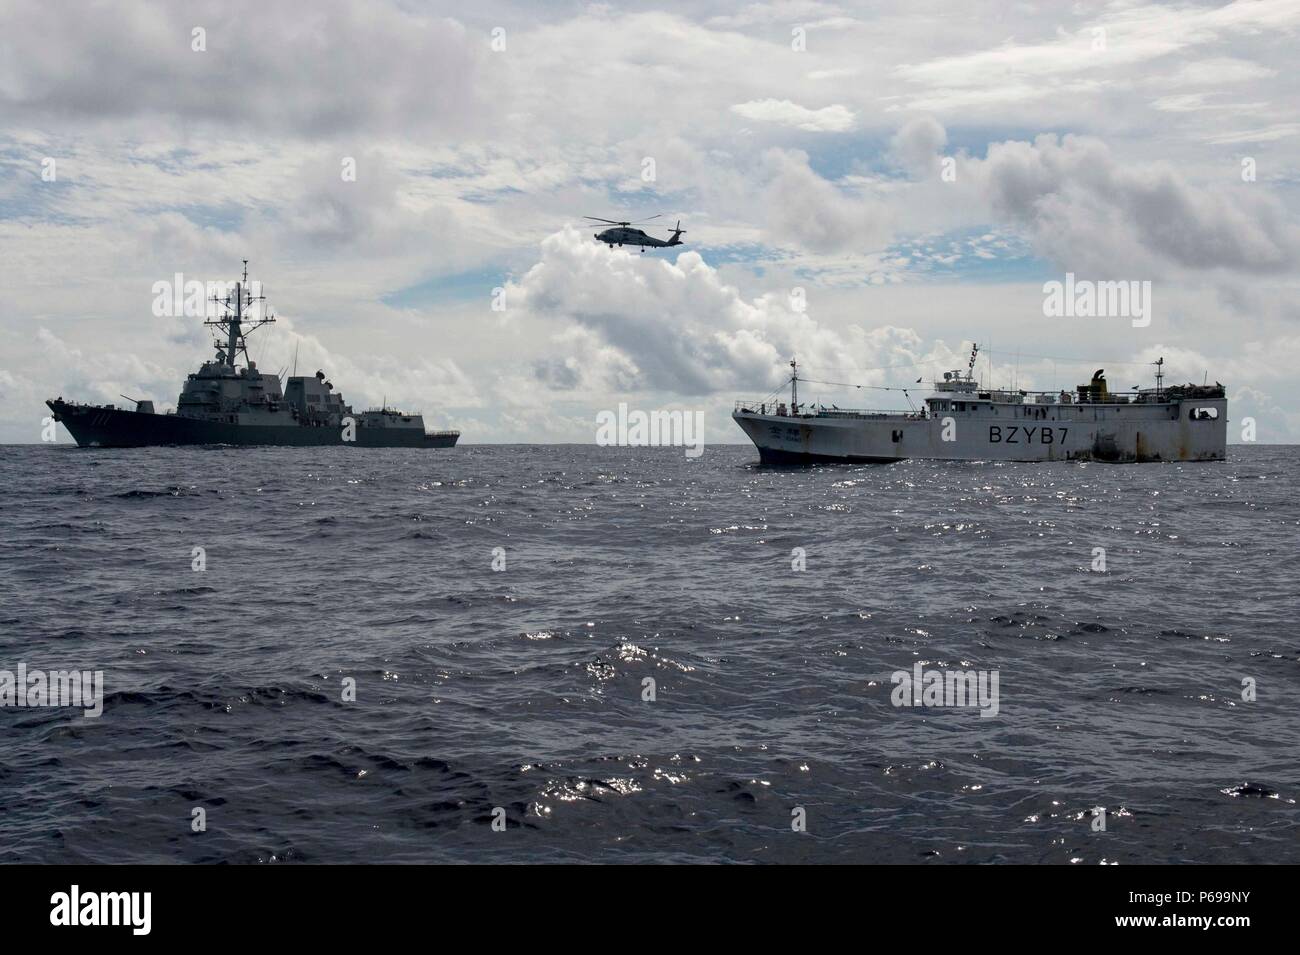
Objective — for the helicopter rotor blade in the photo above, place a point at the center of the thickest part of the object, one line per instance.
(616, 222)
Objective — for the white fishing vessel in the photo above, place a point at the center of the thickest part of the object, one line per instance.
(962, 421)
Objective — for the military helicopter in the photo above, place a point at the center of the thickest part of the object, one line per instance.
(624, 234)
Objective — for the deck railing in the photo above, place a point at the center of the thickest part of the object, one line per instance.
(781, 409)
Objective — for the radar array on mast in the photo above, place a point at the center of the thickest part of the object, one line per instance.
(234, 324)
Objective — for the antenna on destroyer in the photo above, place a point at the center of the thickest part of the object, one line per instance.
(232, 320)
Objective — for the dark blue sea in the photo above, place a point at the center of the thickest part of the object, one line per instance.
(517, 694)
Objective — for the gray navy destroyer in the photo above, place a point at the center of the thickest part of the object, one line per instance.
(226, 402)
(962, 421)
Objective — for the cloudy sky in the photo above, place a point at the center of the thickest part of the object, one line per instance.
(868, 186)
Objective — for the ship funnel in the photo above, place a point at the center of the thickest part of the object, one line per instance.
(1096, 389)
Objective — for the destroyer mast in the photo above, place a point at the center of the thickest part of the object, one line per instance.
(236, 304)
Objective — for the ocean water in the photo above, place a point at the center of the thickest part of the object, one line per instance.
(518, 693)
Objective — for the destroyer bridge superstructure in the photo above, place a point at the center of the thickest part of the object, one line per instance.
(226, 402)
(963, 421)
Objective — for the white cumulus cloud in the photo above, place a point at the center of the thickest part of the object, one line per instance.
(829, 119)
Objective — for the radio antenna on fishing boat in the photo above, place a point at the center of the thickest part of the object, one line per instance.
(1160, 375)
